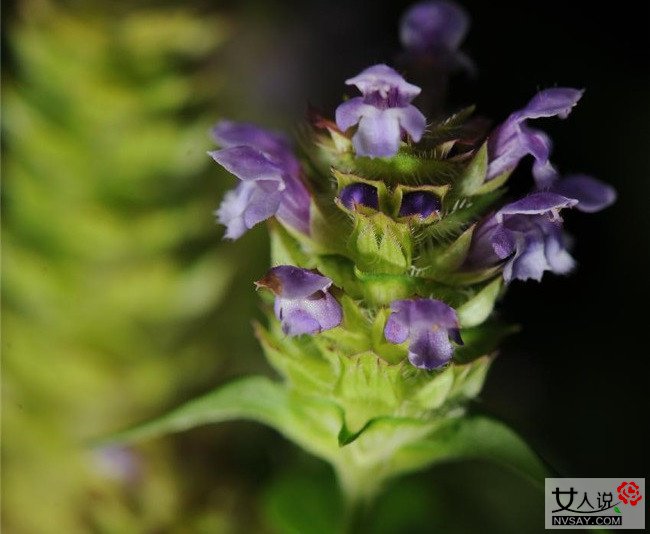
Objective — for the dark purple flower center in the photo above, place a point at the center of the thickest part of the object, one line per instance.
(422, 203)
(384, 98)
(359, 193)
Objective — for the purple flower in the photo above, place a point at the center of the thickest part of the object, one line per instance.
(303, 303)
(422, 203)
(270, 179)
(359, 193)
(433, 25)
(528, 235)
(435, 29)
(429, 325)
(275, 145)
(513, 139)
(382, 112)
(592, 195)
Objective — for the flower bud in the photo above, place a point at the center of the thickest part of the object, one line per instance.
(421, 203)
(359, 193)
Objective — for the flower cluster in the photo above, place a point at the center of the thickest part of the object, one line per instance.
(387, 218)
(392, 237)
(402, 201)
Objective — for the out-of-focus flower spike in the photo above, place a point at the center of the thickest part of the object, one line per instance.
(433, 25)
(433, 31)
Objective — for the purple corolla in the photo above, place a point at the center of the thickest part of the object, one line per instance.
(270, 179)
(382, 112)
(527, 235)
(429, 325)
(592, 195)
(514, 139)
(303, 302)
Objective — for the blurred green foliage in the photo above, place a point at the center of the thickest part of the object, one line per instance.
(113, 272)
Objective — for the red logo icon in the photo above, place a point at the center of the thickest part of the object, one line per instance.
(628, 492)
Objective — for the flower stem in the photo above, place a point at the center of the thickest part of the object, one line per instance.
(359, 486)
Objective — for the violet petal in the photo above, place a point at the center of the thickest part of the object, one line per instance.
(592, 195)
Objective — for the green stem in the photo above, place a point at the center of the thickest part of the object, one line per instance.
(355, 518)
(359, 486)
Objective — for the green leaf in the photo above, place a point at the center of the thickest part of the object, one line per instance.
(255, 398)
(474, 176)
(480, 306)
(310, 422)
(475, 437)
(329, 227)
(380, 438)
(454, 296)
(465, 278)
(436, 393)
